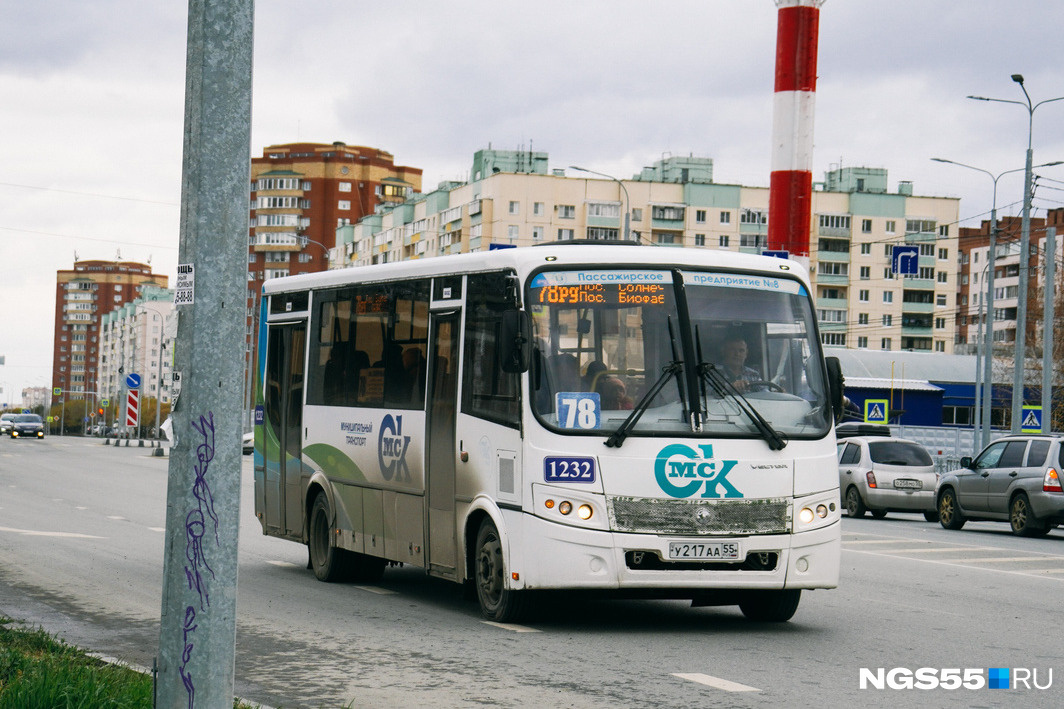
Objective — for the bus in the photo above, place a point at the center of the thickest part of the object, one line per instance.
(555, 417)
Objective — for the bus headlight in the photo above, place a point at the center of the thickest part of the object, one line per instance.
(577, 508)
(584, 512)
(565, 507)
(815, 511)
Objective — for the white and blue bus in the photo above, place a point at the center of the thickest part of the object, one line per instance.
(565, 416)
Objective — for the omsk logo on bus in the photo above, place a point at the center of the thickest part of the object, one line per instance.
(391, 449)
(682, 472)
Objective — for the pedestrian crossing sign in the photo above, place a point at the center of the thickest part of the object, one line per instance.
(876, 411)
(1032, 419)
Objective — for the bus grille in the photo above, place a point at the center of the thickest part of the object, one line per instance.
(665, 516)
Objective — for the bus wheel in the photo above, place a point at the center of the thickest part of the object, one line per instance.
(326, 560)
(771, 606)
(496, 601)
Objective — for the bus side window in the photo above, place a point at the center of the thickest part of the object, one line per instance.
(488, 392)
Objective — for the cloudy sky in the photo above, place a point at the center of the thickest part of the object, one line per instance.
(93, 92)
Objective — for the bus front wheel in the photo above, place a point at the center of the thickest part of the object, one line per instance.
(497, 602)
(325, 559)
(771, 606)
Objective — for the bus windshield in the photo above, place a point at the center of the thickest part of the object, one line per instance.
(689, 351)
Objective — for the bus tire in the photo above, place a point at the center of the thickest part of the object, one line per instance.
(771, 606)
(497, 602)
(326, 560)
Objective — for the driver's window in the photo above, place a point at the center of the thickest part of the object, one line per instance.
(990, 457)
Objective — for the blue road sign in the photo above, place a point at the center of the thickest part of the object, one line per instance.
(133, 381)
(1032, 419)
(778, 254)
(905, 260)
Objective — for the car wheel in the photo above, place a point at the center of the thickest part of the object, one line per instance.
(879, 514)
(326, 560)
(949, 513)
(1022, 520)
(931, 516)
(855, 506)
(771, 606)
(497, 602)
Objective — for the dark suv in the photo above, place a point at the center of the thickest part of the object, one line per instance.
(27, 426)
(1015, 479)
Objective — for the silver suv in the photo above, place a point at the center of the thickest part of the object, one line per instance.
(886, 475)
(1015, 479)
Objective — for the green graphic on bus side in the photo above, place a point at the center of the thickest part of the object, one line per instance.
(334, 462)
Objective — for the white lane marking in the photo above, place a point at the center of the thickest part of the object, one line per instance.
(883, 541)
(37, 533)
(906, 550)
(376, 589)
(511, 627)
(280, 563)
(157, 529)
(117, 518)
(995, 560)
(80, 507)
(715, 682)
(963, 564)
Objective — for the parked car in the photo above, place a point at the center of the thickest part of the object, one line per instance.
(5, 423)
(27, 426)
(1015, 479)
(882, 475)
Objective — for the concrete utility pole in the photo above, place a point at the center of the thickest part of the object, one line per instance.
(197, 638)
(1047, 328)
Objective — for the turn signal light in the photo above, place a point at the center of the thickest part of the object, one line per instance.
(1051, 482)
(871, 478)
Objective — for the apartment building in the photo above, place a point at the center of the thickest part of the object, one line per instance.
(138, 339)
(513, 199)
(83, 295)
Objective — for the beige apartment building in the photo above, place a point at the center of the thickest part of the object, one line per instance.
(512, 199)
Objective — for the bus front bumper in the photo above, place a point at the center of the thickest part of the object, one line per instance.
(551, 555)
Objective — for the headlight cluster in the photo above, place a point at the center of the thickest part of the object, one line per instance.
(816, 511)
(584, 511)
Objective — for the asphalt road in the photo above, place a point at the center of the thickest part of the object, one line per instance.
(81, 544)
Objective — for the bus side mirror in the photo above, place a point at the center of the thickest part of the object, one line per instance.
(515, 341)
(835, 382)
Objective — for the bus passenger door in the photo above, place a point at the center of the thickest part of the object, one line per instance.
(440, 443)
(284, 420)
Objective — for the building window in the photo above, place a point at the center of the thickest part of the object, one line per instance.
(565, 235)
(940, 300)
(866, 249)
(834, 221)
(723, 241)
(943, 254)
(940, 323)
(700, 239)
(667, 213)
(866, 273)
(566, 211)
(637, 214)
(941, 276)
(538, 209)
(888, 320)
(753, 216)
(537, 233)
(725, 217)
(940, 346)
(833, 338)
(700, 216)
(305, 258)
(862, 342)
(866, 226)
(756, 241)
(862, 296)
(828, 268)
(603, 209)
(513, 231)
(344, 186)
(862, 318)
(888, 296)
(344, 205)
(601, 233)
(884, 344)
(943, 231)
(515, 207)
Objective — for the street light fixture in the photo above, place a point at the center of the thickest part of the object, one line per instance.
(627, 202)
(985, 346)
(1025, 248)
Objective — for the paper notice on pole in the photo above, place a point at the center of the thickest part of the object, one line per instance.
(185, 286)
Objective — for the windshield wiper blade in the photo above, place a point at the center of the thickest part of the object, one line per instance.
(617, 437)
(723, 387)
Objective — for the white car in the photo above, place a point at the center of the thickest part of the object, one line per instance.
(882, 474)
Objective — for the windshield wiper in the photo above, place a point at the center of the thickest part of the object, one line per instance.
(722, 386)
(617, 437)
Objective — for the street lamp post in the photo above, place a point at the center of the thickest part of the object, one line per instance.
(627, 202)
(988, 346)
(1025, 255)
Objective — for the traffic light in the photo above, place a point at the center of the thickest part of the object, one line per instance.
(101, 412)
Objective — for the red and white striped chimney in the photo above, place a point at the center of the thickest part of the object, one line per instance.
(790, 200)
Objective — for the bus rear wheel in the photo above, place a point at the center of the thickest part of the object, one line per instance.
(771, 606)
(497, 602)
